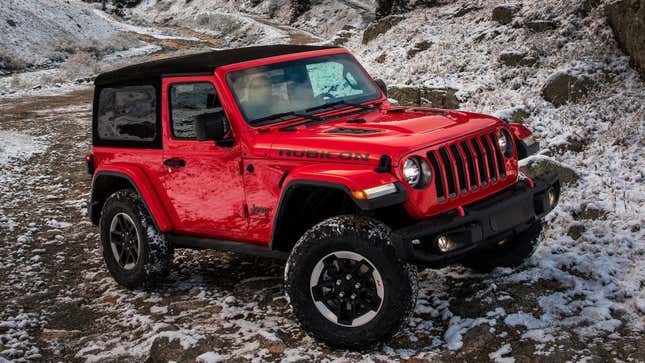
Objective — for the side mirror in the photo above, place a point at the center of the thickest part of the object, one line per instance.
(213, 126)
(382, 86)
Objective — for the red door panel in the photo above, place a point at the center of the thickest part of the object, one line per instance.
(202, 181)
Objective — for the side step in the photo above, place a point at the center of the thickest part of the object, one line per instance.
(198, 243)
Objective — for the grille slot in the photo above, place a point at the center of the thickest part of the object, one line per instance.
(498, 156)
(483, 177)
(450, 173)
(472, 172)
(466, 166)
(490, 158)
(439, 177)
(461, 169)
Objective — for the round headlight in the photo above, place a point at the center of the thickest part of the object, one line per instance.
(412, 171)
(505, 143)
(417, 172)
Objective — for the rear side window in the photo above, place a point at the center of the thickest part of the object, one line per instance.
(127, 114)
(188, 100)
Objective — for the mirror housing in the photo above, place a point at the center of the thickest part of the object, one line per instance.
(212, 126)
(381, 84)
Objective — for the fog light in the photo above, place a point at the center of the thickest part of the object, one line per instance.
(445, 244)
(553, 197)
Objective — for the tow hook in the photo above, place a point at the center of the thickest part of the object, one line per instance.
(460, 211)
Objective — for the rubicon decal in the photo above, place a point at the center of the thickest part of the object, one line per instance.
(321, 154)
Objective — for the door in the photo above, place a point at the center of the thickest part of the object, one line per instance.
(202, 181)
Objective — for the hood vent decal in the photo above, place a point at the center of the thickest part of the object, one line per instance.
(352, 131)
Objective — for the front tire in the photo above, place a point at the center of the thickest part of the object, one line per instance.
(512, 253)
(345, 284)
(136, 253)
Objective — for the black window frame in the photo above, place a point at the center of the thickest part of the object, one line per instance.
(171, 125)
(156, 143)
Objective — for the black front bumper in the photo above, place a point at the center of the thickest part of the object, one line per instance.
(484, 224)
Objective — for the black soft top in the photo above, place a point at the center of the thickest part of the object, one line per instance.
(200, 63)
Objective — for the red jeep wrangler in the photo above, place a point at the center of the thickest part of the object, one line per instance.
(295, 152)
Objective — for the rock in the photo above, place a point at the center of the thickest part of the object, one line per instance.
(515, 58)
(11, 23)
(478, 339)
(504, 13)
(419, 47)
(342, 37)
(380, 58)
(590, 213)
(165, 349)
(465, 9)
(515, 114)
(424, 96)
(380, 27)
(273, 344)
(587, 6)
(566, 86)
(540, 166)
(627, 19)
(541, 25)
(576, 231)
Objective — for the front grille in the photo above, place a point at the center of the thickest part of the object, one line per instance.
(466, 166)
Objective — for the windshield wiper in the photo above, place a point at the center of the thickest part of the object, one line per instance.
(341, 102)
(322, 119)
(277, 116)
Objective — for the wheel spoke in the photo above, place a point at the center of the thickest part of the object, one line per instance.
(116, 238)
(122, 256)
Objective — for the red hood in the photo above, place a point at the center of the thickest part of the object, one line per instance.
(394, 133)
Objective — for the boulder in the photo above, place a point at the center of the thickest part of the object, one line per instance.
(627, 19)
(538, 166)
(564, 86)
(425, 96)
(465, 9)
(504, 13)
(166, 349)
(539, 25)
(587, 6)
(419, 47)
(380, 27)
(516, 58)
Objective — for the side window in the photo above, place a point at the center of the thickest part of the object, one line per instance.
(188, 100)
(332, 79)
(127, 114)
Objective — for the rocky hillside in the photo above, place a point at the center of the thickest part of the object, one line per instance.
(38, 33)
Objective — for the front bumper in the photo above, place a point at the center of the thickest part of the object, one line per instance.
(484, 223)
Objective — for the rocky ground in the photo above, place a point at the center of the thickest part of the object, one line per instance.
(58, 303)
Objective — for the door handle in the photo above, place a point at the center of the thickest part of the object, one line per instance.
(174, 163)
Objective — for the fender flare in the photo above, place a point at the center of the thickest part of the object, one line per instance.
(140, 182)
(345, 179)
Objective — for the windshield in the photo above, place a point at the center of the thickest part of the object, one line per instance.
(292, 88)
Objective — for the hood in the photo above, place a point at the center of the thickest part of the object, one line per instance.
(363, 138)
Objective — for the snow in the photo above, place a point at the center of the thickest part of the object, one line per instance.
(17, 146)
(43, 27)
(211, 357)
(497, 355)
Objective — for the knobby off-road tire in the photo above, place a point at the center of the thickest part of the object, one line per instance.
(511, 254)
(125, 221)
(332, 250)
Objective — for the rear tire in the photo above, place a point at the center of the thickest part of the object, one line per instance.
(135, 252)
(512, 253)
(345, 284)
